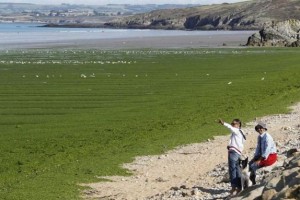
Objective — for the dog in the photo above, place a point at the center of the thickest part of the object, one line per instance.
(245, 174)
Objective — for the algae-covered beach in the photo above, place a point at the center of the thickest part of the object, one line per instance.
(69, 116)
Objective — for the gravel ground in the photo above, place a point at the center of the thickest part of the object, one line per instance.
(196, 171)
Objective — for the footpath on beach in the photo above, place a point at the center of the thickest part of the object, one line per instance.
(196, 171)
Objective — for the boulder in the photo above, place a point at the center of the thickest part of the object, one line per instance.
(293, 192)
(289, 193)
(295, 44)
(251, 193)
(254, 40)
(276, 184)
(268, 195)
(290, 152)
(285, 33)
(282, 183)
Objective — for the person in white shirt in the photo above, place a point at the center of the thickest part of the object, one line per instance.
(235, 149)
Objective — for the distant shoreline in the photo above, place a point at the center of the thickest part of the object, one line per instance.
(33, 35)
(108, 26)
(236, 40)
(73, 26)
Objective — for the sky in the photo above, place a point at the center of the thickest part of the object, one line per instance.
(103, 2)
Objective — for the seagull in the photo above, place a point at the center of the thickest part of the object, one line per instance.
(93, 75)
(229, 83)
(263, 78)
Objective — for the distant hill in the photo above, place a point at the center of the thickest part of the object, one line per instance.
(238, 16)
(68, 14)
(15, 8)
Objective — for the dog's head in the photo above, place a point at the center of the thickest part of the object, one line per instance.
(244, 163)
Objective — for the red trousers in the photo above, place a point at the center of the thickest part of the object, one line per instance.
(272, 158)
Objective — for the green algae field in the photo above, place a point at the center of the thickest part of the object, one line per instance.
(70, 116)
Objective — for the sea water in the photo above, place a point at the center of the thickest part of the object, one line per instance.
(12, 34)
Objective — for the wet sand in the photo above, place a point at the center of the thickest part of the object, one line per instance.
(236, 39)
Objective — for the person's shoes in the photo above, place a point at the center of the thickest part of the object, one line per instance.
(228, 197)
(232, 191)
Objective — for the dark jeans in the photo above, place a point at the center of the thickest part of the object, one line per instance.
(253, 167)
(234, 169)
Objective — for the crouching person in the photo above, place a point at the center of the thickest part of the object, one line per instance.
(265, 153)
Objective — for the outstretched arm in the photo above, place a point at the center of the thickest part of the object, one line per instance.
(231, 128)
(221, 121)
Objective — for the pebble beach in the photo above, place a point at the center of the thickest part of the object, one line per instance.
(195, 172)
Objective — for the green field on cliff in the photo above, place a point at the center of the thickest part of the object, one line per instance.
(68, 116)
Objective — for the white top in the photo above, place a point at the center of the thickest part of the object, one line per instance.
(236, 142)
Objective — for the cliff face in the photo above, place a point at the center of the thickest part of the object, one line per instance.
(286, 33)
(153, 20)
(239, 16)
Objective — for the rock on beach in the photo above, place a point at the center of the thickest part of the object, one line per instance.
(280, 34)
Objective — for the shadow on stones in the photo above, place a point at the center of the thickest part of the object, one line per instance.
(212, 191)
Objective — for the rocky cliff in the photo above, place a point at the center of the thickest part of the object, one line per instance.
(238, 16)
(286, 33)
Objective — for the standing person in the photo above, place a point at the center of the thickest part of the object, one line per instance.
(235, 149)
(265, 153)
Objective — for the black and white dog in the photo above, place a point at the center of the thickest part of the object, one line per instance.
(245, 174)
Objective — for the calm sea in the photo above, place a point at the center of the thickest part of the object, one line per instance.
(12, 34)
